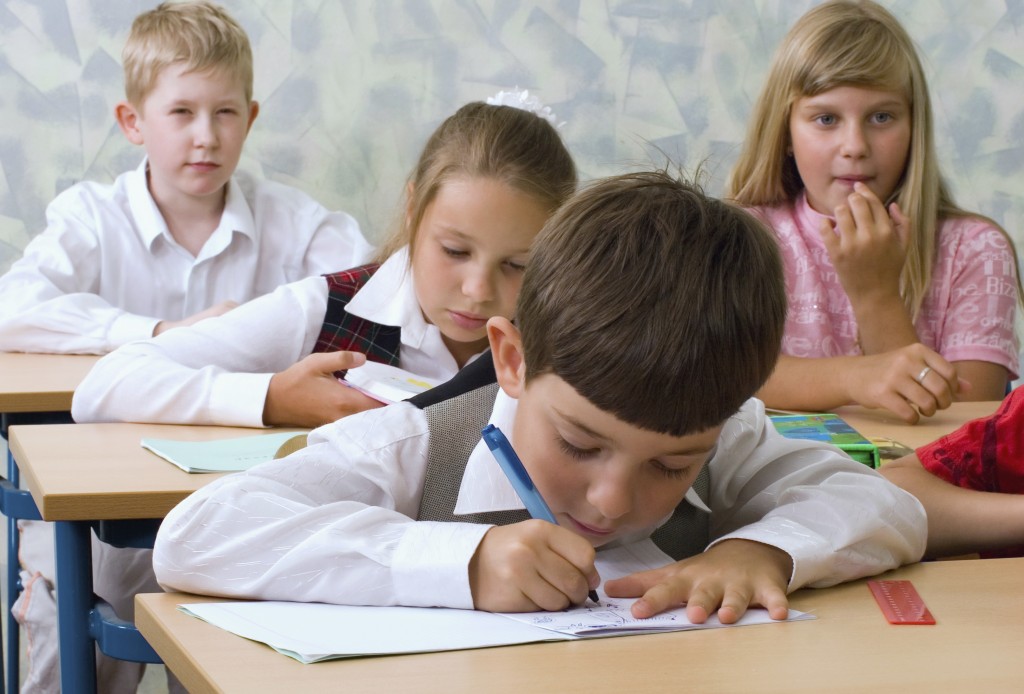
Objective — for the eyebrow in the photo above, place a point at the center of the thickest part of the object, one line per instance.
(602, 438)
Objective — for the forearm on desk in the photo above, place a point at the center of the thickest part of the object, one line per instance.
(960, 521)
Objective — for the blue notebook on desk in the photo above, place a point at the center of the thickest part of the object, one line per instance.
(830, 428)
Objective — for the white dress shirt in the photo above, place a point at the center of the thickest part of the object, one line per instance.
(218, 370)
(334, 522)
(106, 269)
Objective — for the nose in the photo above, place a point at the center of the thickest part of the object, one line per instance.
(204, 132)
(611, 493)
(854, 143)
(478, 284)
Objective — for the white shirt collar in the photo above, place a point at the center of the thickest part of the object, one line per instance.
(150, 223)
(389, 298)
(484, 485)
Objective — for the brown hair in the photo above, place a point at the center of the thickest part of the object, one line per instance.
(655, 302)
(511, 145)
(197, 33)
(849, 43)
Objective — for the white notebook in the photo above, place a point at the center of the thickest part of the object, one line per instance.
(310, 632)
(387, 383)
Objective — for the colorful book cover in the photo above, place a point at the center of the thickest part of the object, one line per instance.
(830, 428)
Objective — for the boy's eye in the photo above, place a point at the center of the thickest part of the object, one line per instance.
(670, 472)
(575, 451)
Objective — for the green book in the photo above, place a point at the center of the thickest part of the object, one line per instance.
(830, 428)
(221, 455)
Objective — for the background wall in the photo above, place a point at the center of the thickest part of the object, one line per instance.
(350, 89)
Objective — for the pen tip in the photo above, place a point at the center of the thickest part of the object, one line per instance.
(593, 596)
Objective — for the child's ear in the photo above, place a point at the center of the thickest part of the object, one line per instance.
(254, 110)
(128, 120)
(507, 352)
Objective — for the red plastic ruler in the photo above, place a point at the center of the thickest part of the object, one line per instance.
(900, 602)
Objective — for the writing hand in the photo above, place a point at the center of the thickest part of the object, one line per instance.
(728, 578)
(215, 310)
(307, 393)
(530, 566)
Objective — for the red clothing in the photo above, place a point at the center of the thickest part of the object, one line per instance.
(986, 454)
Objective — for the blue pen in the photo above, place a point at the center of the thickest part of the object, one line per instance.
(513, 468)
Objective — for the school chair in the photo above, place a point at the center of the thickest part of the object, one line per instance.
(116, 637)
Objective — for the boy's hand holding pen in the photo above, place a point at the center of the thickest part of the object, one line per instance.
(535, 565)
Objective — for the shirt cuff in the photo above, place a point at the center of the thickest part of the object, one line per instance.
(129, 327)
(430, 567)
(237, 399)
(802, 546)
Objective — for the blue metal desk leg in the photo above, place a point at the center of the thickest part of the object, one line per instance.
(13, 579)
(74, 601)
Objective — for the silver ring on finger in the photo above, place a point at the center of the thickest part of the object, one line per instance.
(924, 373)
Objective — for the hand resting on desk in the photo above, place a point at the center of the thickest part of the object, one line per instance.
(730, 577)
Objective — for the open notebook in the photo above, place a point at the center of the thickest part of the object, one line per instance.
(225, 455)
(310, 632)
(387, 383)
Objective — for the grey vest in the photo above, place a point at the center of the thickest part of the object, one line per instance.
(455, 426)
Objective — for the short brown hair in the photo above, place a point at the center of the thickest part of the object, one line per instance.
(504, 143)
(658, 304)
(197, 33)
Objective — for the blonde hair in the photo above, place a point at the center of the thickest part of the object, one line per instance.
(197, 33)
(849, 43)
(504, 143)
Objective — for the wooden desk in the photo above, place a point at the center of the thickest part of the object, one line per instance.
(883, 424)
(79, 473)
(849, 648)
(40, 382)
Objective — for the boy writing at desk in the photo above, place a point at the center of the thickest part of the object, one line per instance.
(649, 315)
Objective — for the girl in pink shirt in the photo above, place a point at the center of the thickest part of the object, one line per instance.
(898, 298)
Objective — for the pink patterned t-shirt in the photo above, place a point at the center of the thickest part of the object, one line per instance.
(967, 314)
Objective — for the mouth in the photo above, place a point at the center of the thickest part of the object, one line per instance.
(468, 321)
(203, 165)
(593, 531)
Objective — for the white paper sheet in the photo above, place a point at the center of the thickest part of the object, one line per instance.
(310, 632)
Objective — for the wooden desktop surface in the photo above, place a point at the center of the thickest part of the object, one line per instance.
(41, 382)
(975, 646)
(101, 472)
(884, 424)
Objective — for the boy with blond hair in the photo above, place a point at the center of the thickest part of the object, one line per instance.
(181, 238)
(648, 316)
(184, 236)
